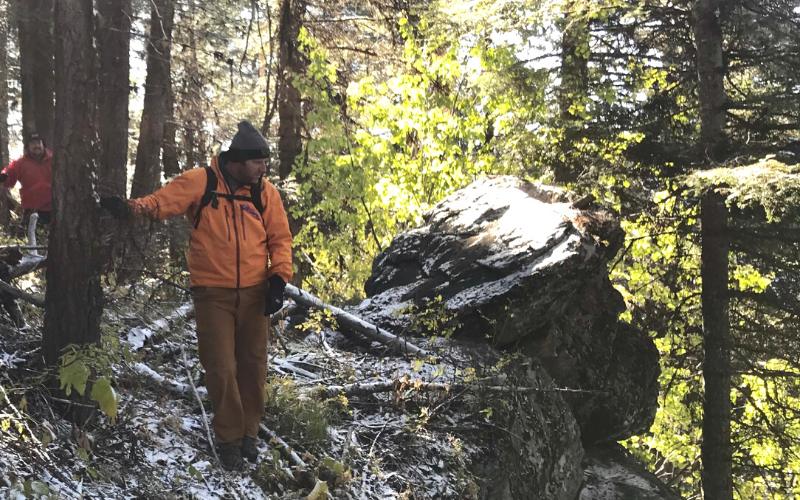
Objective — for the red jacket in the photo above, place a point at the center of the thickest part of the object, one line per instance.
(35, 177)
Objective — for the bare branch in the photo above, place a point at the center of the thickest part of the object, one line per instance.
(354, 323)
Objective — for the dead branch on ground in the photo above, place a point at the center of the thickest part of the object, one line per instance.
(20, 294)
(354, 323)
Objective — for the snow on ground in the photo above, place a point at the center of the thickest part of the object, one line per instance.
(383, 446)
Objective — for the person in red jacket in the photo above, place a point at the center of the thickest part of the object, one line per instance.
(33, 171)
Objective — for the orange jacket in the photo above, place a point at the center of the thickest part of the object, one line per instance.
(232, 247)
(35, 178)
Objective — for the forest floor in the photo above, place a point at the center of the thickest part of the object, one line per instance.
(386, 444)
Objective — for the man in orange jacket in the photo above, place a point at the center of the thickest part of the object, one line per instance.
(34, 172)
(240, 259)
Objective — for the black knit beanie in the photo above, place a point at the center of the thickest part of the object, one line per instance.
(247, 144)
(33, 136)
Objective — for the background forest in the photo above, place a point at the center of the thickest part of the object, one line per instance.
(683, 116)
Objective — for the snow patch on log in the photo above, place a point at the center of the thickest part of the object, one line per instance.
(138, 336)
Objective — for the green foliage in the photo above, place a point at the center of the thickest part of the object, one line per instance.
(659, 277)
(432, 320)
(80, 363)
(299, 415)
(403, 145)
(73, 373)
(104, 394)
(193, 472)
(318, 320)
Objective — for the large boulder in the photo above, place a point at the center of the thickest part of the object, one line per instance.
(517, 263)
(536, 450)
(528, 448)
(610, 473)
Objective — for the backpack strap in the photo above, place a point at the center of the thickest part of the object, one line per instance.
(209, 195)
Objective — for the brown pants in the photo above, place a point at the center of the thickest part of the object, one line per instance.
(232, 334)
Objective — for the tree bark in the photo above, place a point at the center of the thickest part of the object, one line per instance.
(271, 100)
(147, 176)
(35, 26)
(290, 140)
(5, 210)
(193, 139)
(573, 90)
(170, 154)
(74, 297)
(114, 26)
(716, 448)
(290, 109)
(4, 77)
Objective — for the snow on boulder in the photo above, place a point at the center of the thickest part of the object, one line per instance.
(517, 263)
(610, 473)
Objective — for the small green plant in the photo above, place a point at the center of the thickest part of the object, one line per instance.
(318, 320)
(271, 477)
(33, 490)
(341, 473)
(79, 363)
(298, 414)
(433, 319)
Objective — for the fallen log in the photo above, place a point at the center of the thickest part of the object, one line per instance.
(286, 365)
(23, 247)
(20, 294)
(356, 390)
(358, 325)
(28, 264)
(32, 231)
(584, 202)
(173, 386)
(138, 336)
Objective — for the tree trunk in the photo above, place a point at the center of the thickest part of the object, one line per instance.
(5, 210)
(35, 23)
(290, 141)
(271, 99)
(169, 146)
(74, 297)
(572, 91)
(4, 77)
(147, 175)
(114, 26)
(716, 447)
(193, 140)
(290, 111)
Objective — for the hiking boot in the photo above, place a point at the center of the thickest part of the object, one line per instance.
(230, 456)
(249, 450)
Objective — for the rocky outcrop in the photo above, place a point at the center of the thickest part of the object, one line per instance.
(515, 262)
(539, 447)
(610, 473)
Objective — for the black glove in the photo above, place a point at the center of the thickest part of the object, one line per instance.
(274, 300)
(3, 177)
(116, 206)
